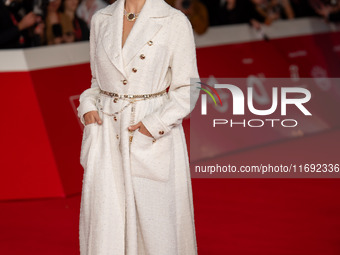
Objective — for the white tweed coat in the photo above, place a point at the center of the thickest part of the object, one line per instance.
(137, 197)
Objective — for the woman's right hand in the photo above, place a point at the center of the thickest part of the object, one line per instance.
(91, 117)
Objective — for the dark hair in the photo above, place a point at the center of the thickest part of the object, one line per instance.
(62, 5)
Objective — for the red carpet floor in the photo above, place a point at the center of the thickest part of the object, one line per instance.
(233, 216)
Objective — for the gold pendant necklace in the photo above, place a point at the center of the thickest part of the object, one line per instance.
(130, 15)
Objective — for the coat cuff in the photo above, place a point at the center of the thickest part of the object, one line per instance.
(87, 103)
(84, 108)
(155, 126)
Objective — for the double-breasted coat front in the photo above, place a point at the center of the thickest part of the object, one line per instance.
(137, 197)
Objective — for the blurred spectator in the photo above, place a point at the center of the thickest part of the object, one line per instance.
(331, 12)
(233, 12)
(54, 34)
(73, 27)
(212, 7)
(18, 29)
(87, 8)
(302, 8)
(267, 11)
(196, 12)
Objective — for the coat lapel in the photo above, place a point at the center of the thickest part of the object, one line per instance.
(145, 28)
(112, 33)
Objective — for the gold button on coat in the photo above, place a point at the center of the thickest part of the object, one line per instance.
(124, 82)
(161, 132)
(150, 43)
(142, 56)
(134, 70)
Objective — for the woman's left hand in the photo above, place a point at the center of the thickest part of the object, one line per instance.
(142, 129)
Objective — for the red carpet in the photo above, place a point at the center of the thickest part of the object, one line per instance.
(233, 216)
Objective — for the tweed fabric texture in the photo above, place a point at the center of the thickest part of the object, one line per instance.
(137, 197)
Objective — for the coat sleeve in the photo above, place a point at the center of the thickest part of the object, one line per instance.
(87, 100)
(183, 93)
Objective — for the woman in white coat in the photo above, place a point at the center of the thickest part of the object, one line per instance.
(137, 197)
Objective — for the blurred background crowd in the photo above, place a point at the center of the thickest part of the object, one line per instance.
(29, 23)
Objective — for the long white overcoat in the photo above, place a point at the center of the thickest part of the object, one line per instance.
(137, 197)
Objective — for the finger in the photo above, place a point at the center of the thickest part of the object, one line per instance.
(134, 127)
(97, 118)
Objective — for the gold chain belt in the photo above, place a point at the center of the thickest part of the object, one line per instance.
(132, 99)
(130, 96)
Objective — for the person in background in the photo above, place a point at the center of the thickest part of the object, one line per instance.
(196, 12)
(54, 34)
(17, 30)
(73, 28)
(302, 8)
(87, 8)
(268, 11)
(212, 7)
(329, 12)
(233, 12)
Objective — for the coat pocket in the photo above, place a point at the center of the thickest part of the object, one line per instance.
(87, 143)
(150, 159)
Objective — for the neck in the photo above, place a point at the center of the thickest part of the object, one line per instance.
(134, 6)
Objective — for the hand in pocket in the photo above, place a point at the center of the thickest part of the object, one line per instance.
(141, 128)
